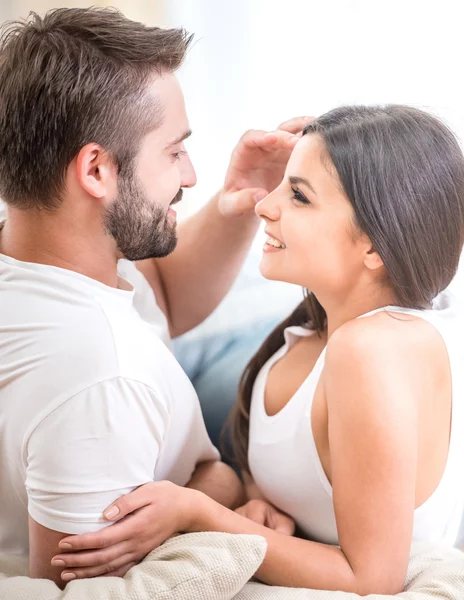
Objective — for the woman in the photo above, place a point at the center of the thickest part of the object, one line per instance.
(351, 416)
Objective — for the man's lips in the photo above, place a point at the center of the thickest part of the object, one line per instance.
(177, 197)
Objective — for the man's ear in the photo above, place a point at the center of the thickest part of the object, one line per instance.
(96, 172)
(372, 259)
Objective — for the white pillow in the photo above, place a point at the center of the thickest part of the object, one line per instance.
(216, 566)
(434, 573)
(199, 566)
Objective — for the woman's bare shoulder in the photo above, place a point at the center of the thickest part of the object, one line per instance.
(389, 357)
(386, 334)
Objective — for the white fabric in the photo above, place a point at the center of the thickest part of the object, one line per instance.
(92, 402)
(215, 566)
(212, 566)
(285, 464)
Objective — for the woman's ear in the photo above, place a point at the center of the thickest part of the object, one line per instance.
(96, 172)
(372, 259)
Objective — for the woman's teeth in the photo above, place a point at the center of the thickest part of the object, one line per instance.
(273, 242)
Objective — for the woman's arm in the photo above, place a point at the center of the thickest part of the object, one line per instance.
(373, 444)
(370, 386)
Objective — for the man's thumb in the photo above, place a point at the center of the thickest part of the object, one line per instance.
(245, 200)
(259, 194)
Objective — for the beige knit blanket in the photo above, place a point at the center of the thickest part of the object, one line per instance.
(217, 566)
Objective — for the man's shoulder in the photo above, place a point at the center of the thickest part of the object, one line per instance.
(107, 405)
(66, 334)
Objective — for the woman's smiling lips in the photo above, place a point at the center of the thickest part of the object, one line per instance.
(273, 244)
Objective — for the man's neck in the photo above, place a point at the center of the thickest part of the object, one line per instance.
(44, 238)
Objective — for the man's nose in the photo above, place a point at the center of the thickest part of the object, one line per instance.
(188, 175)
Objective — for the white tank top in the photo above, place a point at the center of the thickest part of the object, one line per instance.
(285, 464)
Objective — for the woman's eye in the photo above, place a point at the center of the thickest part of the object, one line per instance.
(299, 196)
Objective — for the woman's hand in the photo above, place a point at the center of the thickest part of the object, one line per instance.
(147, 517)
(263, 513)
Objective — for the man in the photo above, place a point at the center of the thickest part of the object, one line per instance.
(92, 160)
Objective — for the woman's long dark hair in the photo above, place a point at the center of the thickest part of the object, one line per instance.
(403, 172)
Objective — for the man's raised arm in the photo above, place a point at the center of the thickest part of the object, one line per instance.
(191, 282)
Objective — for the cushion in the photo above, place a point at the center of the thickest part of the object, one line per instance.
(217, 566)
(206, 566)
(434, 573)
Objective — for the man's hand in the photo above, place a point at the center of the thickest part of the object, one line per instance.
(257, 166)
(263, 513)
(191, 282)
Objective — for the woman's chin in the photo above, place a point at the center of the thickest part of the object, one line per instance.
(270, 272)
(277, 273)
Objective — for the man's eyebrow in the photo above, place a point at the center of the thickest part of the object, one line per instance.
(296, 180)
(180, 139)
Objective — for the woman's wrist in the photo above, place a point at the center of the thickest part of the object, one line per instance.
(198, 511)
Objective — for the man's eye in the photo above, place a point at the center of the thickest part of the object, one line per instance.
(177, 155)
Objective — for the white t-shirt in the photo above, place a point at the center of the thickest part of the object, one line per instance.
(92, 401)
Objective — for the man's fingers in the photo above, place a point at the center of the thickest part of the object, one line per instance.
(244, 201)
(295, 125)
(285, 139)
(269, 141)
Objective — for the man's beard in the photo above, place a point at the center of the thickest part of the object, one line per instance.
(140, 228)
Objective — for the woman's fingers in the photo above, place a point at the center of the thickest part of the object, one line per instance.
(257, 515)
(129, 503)
(282, 524)
(255, 510)
(99, 539)
(121, 572)
(117, 568)
(93, 558)
(263, 513)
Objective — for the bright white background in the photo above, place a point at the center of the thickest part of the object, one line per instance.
(256, 63)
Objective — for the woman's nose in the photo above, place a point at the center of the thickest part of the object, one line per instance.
(268, 208)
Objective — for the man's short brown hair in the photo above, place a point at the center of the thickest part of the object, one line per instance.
(74, 77)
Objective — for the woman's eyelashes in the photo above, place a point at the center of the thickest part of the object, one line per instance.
(299, 196)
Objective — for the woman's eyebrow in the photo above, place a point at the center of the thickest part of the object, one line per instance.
(296, 180)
